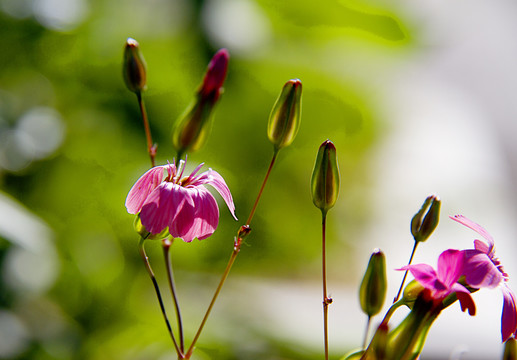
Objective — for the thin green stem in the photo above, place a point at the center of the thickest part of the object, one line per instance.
(252, 212)
(168, 265)
(326, 299)
(214, 298)
(151, 149)
(158, 293)
(366, 331)
(405, 272)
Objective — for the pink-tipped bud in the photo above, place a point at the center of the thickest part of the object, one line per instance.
(134, 69)
(325, 177)
(191, 130)
(215, 75)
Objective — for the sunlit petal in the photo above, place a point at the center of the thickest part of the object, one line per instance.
(142, 188)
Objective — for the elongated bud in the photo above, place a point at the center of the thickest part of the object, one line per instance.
(325, 177)
(284, 120)
(373, 287)
(191, 130)
(134, 70)
(510, 349)
(426, 219)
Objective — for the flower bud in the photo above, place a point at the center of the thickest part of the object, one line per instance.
(192, 129)
(325, 177)
(134, 70)
(373, 287)
(284, 120)
(510, 349)
(426, 219)
(411, 293)
(142, 231)
(215, 75)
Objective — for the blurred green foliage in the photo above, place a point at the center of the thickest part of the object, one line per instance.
(71, 171)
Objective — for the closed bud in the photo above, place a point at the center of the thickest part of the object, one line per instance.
(426, 219)
(191, 130)
(510, 349)
(284, 120)
(134, 70)
(142, 231)
(325, 177)
(373, 287)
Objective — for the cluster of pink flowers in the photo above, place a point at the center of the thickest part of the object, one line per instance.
(178, 203)
(481, 268)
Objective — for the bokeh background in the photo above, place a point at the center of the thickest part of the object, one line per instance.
(418, 98)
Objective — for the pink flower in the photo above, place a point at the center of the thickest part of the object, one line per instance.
(443, 281)
(483, 269)
(183, 205)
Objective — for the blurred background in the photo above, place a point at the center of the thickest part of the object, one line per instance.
(417, 97)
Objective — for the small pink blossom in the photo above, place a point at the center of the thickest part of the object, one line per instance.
(182, 204)
(443, 281)
(483, 269)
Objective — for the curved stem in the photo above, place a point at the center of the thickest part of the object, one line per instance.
(252, 212)
(151, 148)
(168, 265)
(214, 298)
(405, 272)
(158, 294)
(326, 299)
(366, 331)
(243, 231)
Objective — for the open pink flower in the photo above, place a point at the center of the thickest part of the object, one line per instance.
(483, 269)
(443, 281)
(183, 205)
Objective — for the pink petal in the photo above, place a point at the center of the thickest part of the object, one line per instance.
(213, 178)
(142, 188)
(466, 301)
(450, 266)
(156, 210)
(206, 217)
(182, 212)
(424, 274)
(476, 227)
(480, 271)
(509, 315)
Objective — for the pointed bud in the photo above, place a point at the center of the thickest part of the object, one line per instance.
(426, 219)
(510, 349)
(325, 177)
(373, 287)
(215, 75)
(191, 130)
(284, 120)
(142, 231)
(134, 70)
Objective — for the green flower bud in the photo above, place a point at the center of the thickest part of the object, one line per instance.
(134, 70)
(426, 219)
(411, 292)
(142, 231)
(510, 349)
(373, 287)
(284, 120)
(325, 177)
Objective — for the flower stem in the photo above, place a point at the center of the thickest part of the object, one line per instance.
(151, 148)
(168, 265)
(158, 294)
(405, 272)
(243, 231)
(252, 212)
(326, 300)
(214, 298)
(366, 331)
